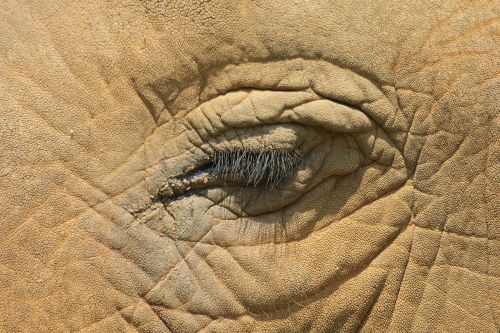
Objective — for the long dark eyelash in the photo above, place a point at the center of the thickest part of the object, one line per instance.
(254, 167)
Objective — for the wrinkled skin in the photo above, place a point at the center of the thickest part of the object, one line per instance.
(389, 222)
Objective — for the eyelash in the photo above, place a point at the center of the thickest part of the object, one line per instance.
(258, 167)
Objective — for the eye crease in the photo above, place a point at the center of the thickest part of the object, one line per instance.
(238, 167)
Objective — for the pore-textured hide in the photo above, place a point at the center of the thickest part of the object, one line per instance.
(249, 166)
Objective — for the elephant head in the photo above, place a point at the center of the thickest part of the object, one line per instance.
(249, 166)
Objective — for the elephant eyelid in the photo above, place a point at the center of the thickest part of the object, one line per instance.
(236, 167)
(265, 166)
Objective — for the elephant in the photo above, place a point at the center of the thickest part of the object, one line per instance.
(249, 166)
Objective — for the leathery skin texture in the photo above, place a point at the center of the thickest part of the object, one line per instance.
(249, 166)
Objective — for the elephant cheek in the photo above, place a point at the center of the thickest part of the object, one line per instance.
(233, 281)
(328, 257)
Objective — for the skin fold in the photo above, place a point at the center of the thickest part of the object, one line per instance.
(375, 122)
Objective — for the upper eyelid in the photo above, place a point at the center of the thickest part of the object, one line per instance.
(255, 108)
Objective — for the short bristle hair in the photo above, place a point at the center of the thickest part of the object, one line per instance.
(268, 167)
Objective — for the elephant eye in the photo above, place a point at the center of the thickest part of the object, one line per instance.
(255, 152)
(265, 168)
(255, 167)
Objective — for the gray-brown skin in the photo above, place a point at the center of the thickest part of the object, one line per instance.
(389, 222)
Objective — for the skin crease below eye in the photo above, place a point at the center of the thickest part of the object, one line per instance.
(387, 223)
